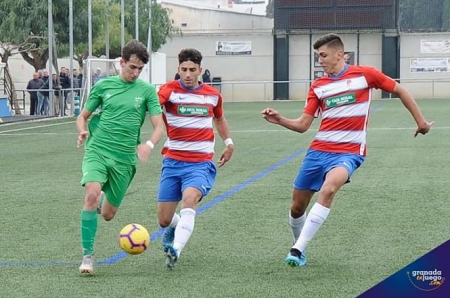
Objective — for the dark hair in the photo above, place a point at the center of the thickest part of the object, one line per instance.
(330, 39)
(135, 47)
(190, 55)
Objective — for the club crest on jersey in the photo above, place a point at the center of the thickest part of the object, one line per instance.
(340, 100)
(192, 110)
(349, 84)
(138, 102)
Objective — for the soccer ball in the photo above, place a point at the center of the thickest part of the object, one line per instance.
(134, 239)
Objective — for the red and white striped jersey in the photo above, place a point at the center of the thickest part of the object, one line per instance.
(344, 103)
(188, 115)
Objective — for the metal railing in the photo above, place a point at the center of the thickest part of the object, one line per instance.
(242, 91)
(61, 101)
(248, 91)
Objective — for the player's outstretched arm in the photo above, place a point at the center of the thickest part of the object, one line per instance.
(81, 126)
(301, 124)
(423, 126)
(224, 132)
(145, 149)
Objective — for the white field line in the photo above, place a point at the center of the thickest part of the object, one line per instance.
(32, 127)
(11, 132)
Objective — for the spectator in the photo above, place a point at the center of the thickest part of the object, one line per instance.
(43, 94)
(97, 76)
(33, 86)
(40, 97)
(206, 77)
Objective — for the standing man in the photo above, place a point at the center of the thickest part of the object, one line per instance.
(188, 171)
(343, 98)
(113, 141)
(33, 87)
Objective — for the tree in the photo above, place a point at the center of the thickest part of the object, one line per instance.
(20, 18)
(9, 50)
(161, 24)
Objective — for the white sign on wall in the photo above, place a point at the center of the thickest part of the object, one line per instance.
(429, 64)
(233, 47)
(434, 46)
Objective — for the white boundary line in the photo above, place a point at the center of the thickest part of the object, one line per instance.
(33, 127)
(30, 121)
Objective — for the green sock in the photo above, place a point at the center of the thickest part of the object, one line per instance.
(88, 231)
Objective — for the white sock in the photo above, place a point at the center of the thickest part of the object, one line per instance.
(296, 225)
(314, 220)
(175, 220)
(184, 229)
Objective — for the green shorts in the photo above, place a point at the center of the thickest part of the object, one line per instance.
(115, 177)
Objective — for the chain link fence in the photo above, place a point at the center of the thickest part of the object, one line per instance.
(363, 15)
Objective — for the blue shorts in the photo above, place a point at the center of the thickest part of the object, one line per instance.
(177, 175)
(317, 164)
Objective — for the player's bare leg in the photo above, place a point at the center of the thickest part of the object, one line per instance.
(318, 214)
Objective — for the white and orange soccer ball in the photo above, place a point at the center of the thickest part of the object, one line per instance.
(134, 239)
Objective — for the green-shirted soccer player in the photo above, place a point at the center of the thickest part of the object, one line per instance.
(113, 141)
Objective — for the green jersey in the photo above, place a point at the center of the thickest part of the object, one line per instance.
(115, 131)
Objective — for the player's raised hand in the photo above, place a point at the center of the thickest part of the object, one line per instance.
(143, 152)
(271, 115)
(82, 136)
(424, 128)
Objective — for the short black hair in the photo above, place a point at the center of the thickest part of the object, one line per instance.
(190, 55)
(135, 47)
(330, 39)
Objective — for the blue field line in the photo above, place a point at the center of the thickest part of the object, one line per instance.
(216, 200)
(117, 257)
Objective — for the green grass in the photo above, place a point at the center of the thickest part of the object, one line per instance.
(394, 211)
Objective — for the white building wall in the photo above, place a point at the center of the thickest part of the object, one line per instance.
(206, 20)
(235, 71)
(419, 82)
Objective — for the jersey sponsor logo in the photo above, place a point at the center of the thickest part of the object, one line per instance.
(340, 100)
(191, 110)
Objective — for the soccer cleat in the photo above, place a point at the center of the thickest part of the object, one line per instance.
(168, 236)
(171, 256)
(295, 258)
(87, 265)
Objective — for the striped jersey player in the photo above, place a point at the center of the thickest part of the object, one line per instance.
(188, 115)
(344, 102)
(190, 109)
(342, 98)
